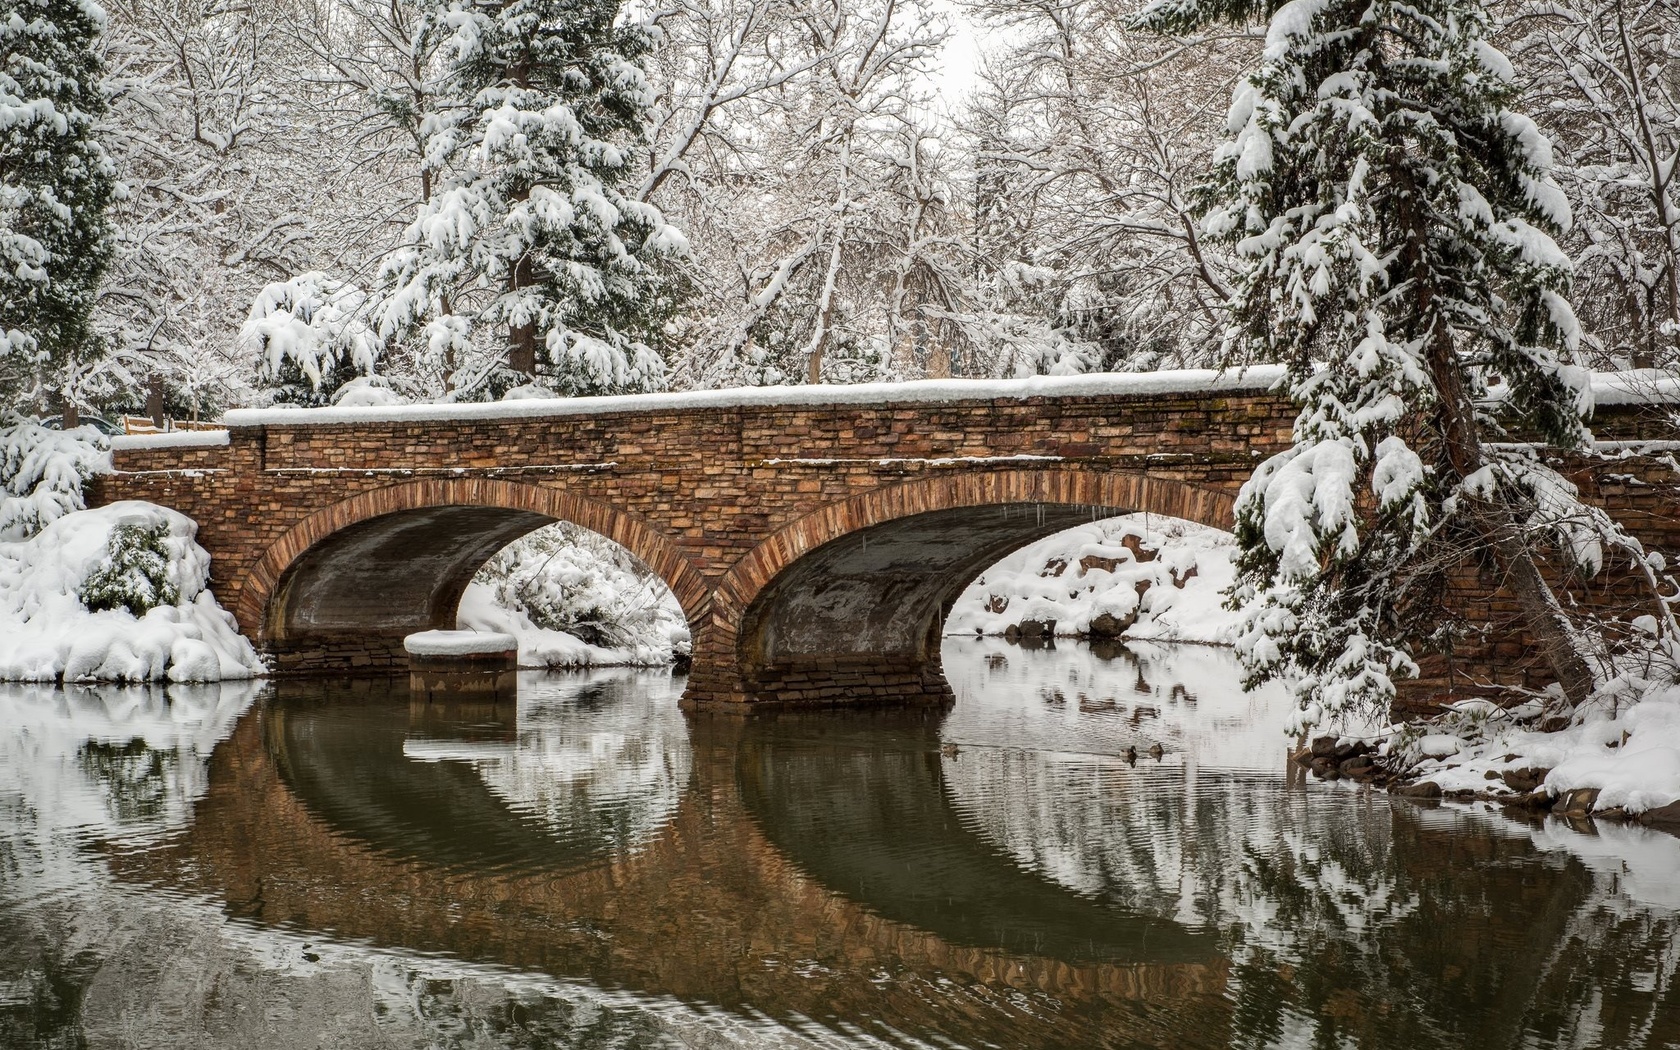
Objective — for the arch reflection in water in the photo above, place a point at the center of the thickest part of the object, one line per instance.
(607, 756)
(860, 803)
(583, 767)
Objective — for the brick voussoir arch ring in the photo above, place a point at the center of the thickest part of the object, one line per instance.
(628, 530)
(1078, 487)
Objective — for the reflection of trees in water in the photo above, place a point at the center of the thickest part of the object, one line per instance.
(1346, 921)
(136, 777)
(1349, 919)
(614, 756)
(1611, 943)
(114, 758)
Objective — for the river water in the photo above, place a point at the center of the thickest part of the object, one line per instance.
(330, 864)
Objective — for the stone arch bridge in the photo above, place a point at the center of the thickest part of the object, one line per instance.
(815, 537)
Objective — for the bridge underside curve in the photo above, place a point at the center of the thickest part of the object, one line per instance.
(348, 601)
(860, 617)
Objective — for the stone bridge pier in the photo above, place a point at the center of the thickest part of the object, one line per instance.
(815, 537)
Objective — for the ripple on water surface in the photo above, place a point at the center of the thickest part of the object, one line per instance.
(334, 864)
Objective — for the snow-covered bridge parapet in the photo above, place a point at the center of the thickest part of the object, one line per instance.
(815, 536)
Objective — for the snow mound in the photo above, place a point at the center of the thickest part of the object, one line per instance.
(1630, 753)
(47, 633)
(1151, 577)
(540, 647)
(459, 643)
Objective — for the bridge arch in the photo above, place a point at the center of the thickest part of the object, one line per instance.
(851, 598)
(363, 572)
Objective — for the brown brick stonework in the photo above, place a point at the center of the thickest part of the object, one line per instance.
(814, 548)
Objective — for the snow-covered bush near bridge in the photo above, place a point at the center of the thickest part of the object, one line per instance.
(314, 337)
(573, 599)
(123, 558)
(135, 572)
(1141, 576)
(41, 474)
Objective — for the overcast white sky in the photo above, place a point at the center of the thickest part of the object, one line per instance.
(959, 63)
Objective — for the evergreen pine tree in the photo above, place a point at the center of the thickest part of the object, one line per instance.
(530, 246)
(55, 184)
(1395, 221)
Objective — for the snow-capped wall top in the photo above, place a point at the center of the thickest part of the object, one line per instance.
(173, 439)
(1185, 381)
(1639, 386)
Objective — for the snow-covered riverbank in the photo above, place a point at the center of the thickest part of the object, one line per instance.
(1614, 760)
(119, 593)
(1141, 577)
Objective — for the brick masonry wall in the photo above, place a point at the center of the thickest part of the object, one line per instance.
(720, 500)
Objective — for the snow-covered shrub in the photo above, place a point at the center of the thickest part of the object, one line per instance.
(121, 557)
(533, 257)
(313, 334)
(41, 474)
(368, 391)
(567, 580)
(135, 572)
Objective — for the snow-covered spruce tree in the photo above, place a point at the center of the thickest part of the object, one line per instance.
(55, 184)
(531, 260)
(1394, 221)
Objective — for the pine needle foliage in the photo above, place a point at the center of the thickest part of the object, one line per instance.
(1395, 222)
(55, 185)
(531, 244)
(135, 572)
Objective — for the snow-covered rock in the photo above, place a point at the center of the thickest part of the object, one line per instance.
(1165, 577)
(1629, 754)
(178, 632)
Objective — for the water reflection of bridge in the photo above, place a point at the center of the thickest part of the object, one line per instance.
(812, 869)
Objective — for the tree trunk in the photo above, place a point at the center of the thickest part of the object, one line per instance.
(1497, 522)
(154, 400)
(522, 339)
(522, 349)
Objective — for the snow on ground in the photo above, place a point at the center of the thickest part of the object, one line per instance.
(1630, 753)
(574, 598)
(48, 633)
(1168, 573)
(540, 647)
